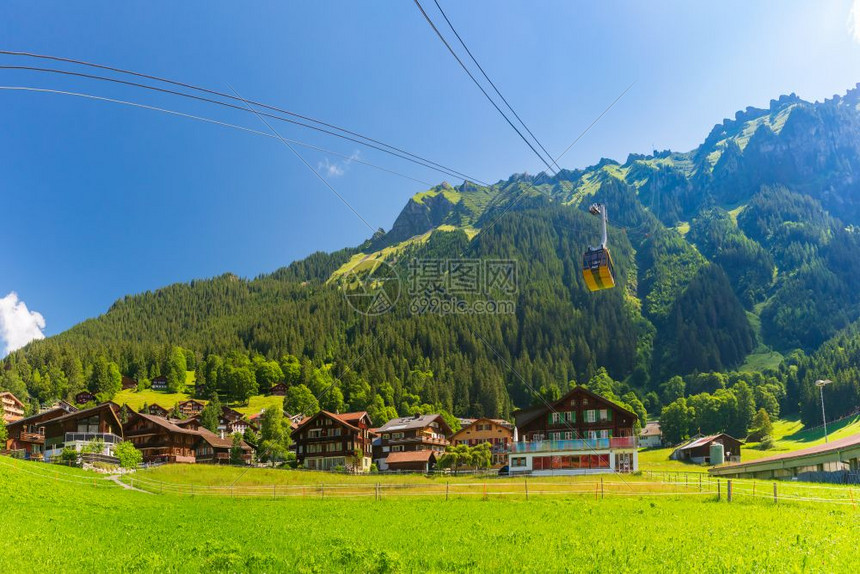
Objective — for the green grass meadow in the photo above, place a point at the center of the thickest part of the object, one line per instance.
(62, 523)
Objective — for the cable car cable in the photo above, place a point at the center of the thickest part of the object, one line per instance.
(252, 102)
(468, 51)
(206, 120)
(480, 87)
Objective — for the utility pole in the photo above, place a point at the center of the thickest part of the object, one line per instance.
(821, 383)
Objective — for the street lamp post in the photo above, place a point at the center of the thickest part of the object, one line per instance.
(821, 383)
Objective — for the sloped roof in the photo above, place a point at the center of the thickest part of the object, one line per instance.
(56, 411)
(11, 396)
(164, 423)
(218, 442)
(705, 440)
(827, 447)
(349, 420)
(413, 422)
(527, 415)
(410, 456)
(651, 429)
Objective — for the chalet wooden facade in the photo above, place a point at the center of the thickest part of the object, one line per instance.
(159, 383)
(579, 433)
(160, 440)
(497, 432)
(157, 410)
(410, 434)
(13, 408)
(128, 383)
(191, 407)
(84, 397)
(278, 390)
(79, 428)
(215, 449)
(28, 434)
(329, 440)
(412, 461)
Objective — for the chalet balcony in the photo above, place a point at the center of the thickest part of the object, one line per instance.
(419, 440)
(107, 438)
(33, 437)
(574, 445)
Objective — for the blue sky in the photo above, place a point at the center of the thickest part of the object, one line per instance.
(102, 200)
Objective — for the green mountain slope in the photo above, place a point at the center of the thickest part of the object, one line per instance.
(757, 203)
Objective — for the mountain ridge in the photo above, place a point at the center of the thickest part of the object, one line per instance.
(708, 244)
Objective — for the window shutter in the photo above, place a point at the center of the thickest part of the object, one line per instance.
(609, 414)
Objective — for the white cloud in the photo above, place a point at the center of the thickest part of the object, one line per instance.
(18, 325)
(854, 20)
(336, 168)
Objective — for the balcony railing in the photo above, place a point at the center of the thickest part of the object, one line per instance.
(33, 437)
(91, 436)
(574, 445)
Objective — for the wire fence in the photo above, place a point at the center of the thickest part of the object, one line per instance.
(695, 485)
(526, 488)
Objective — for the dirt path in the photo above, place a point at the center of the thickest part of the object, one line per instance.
(116, 479)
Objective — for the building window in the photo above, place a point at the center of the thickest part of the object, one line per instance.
(518, 462)
(397, 448)
(590, 416)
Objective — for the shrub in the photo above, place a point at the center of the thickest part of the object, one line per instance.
(767, 443)
(129, 457)
(69, 456)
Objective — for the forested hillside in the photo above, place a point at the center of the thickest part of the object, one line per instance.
(744, 246)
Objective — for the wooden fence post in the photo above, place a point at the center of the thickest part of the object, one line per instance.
(700, 483)
(527, 487)
(729, 490)
(601, 487)
(719, 490)
(322, 490)
(753, 489)
(447, 489)
(775, 497)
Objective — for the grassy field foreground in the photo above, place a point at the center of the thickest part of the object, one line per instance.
(65, 524)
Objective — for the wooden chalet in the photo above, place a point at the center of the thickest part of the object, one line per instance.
(157, 410)
(215, 449)
(698, 449)
(278, 389)
(412, 461)
(329, 440)
(28, 434)
(128, 383)
(84, 397)
(160, 440)
(159, 383)
(579, 433)
(498, 433)
(410, 434)
(191, 407)
(13, 408)
(79, 428)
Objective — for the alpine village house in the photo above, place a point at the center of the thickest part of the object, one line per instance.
(326, 441)
(411, 443)
(580, 433)
(498, 433)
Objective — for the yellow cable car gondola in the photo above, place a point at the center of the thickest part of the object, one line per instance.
(597, 267)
